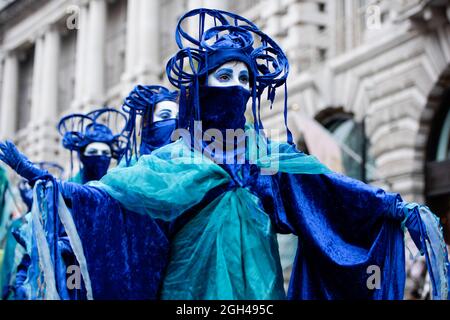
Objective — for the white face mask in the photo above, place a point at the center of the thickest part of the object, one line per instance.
(165, 110)
(97, 149)
(233, 73)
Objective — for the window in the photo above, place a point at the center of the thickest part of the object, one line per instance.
(352, 140)
(322, 54)
(115, 42)
(437, 183)
(26, 65)
(321, 6)
(443, 147)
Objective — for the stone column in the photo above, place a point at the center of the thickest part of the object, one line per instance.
(133, 40)
(149, 64)
(95, 84)
(37, 78)
(8, 114)
(49, 93)
(45, 90)
(350, 20)
(81, 58)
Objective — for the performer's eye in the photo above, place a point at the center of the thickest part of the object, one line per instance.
(224, 75)
(106, 153)
(243, 79)
(91, 152)
(165, 114)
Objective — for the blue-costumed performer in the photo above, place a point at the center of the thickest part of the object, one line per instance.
(20, 229)
(97, 138)
(121, 250)
(226, 248)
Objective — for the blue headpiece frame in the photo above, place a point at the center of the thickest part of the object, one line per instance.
(267, 63)
(79, 130)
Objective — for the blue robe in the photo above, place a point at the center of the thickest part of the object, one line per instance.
(345, 227)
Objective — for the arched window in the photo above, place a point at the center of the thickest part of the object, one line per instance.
(350, 136)
(437, 186)
(443, 146)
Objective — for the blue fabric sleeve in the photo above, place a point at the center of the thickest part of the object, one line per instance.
(347, 230)
(126, 252)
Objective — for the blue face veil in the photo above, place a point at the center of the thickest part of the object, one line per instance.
(102, 125)
(141, 102)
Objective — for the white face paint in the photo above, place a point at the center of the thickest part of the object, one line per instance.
(97, 149)
(165, 110)
(233, 73)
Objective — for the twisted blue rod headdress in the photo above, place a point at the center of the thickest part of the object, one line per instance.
(103, 125)
(142, 101)
(231, 37)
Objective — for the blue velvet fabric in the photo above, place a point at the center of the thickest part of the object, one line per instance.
(156, 135)
(343, 225)
(94, 167)
(215, 104)
(126, 252)
(26, 194)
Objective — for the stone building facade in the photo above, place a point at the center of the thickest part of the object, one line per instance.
(382, 65)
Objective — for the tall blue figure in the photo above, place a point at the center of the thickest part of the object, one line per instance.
(233, 200)
(231, 210)
(97, 138)
(125, 252)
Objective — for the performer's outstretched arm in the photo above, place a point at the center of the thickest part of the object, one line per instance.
(347, 231)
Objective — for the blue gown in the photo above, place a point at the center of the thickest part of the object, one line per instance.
(218, 240)
(224, 246)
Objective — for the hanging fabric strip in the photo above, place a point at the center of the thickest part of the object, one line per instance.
(426, 232)
(75, 243)
(45, 261)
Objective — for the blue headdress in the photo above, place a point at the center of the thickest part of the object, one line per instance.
(231, 37)
(103, 125)
(141, 102)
